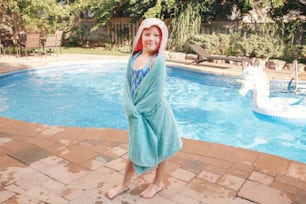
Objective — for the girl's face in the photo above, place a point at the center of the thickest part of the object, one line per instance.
(151, 38)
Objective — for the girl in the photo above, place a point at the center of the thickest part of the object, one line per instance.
(152, 134)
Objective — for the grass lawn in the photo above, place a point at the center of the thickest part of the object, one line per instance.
(93, 51)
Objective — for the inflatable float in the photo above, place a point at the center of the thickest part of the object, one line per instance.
(272, 109)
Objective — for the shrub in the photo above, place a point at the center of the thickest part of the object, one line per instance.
(292, 52)
(215, 44)
(75, 37)
(252, 46)
(257, 46)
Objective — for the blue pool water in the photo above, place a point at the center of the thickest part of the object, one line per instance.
(207, 107)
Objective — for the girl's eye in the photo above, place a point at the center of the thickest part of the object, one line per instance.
(151, 34)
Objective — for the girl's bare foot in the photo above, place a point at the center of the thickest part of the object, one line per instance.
(151, 191)
(115, 191)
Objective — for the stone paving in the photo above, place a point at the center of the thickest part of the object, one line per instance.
(52, 164)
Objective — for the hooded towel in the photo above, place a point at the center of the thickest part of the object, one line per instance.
(153, 135)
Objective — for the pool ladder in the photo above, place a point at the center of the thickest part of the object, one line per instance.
(297, 87)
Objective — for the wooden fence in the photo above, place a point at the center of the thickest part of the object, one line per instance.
(121, 31)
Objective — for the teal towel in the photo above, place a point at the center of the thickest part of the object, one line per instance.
(153, 135)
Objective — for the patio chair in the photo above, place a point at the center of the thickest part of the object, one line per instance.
(32, 42)
(50, 43)
(203, 55)
(59, 37)
(2, 51)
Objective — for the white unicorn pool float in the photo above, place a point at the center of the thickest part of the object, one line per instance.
(280, 109)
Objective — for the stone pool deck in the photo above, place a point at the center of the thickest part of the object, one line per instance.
(52, 164)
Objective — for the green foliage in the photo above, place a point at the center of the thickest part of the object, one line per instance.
(138, 9)
(219, 44)
(212, 43)
(187, 21)
(37, 16)
(102, 9)
(293, 24)
(154, 11)
(267, 3)
(290, 29)
(252, 46)
(167, 9)
(257, 46)
(292, 52)
(45, 16)
(234, 45)
(219, 9)
(209, 10)
(76, 37)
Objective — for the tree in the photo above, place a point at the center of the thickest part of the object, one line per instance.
(36, 15)
(186, 21)
(102, 10)
(290, 17)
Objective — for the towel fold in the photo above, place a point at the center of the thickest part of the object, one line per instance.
(153, 135)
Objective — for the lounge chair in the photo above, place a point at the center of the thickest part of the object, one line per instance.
(2, 51)
(50, 43)
(32, 42)
(59, 37)
(203, 55)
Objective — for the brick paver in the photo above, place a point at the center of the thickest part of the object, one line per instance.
(82, 172)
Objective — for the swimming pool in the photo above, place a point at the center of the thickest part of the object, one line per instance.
(207, 107)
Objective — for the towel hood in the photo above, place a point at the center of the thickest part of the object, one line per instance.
(147, 23)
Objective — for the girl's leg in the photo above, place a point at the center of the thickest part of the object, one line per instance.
(157, 184)
(117, 190)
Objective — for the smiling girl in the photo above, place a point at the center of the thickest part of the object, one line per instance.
(152, 133)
